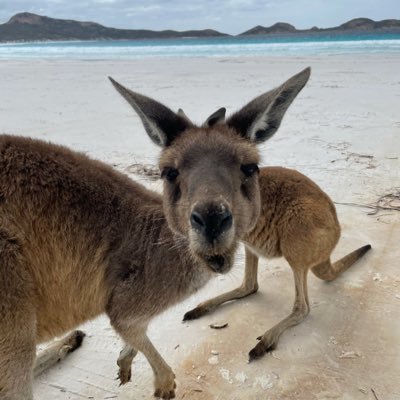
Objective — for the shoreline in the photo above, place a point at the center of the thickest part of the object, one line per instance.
(219, 58)
(249, 46)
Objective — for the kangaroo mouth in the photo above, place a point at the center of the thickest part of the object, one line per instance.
(218, 256)
(216, 263)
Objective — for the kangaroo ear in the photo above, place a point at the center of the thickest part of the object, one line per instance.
(161, 124)
(182, 114)
(215, 118)
(261, 118)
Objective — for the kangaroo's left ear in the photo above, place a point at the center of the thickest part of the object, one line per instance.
(162, 125)
(261, 118)
(215, 118)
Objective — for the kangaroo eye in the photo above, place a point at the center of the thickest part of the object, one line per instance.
(169, 173)
(249, 169)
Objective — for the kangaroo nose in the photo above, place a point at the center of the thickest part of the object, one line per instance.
(211, 222)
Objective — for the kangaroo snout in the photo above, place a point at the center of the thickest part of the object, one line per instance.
(211, 220)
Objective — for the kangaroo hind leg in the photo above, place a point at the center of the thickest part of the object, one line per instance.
(301, 308)
(124, 363)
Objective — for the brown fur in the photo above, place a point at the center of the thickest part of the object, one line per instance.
(77, 239)
(298, 221)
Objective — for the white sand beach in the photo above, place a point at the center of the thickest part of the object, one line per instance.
(343, 131)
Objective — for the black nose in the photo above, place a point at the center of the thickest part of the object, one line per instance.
(211, 222)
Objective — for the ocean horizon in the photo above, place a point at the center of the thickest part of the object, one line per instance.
(296, 45)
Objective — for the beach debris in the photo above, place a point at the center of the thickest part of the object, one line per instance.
(366, 160)
(275, 375)
(213, 360)
(339, 146)
(382, 219)
(264, 382)
(241, 377)
(397, 296)
(374, 393)
(363, 390)
(377, 277)
(176, 346)
(350, 354)
(201, 376)
(219, 325)
(389, 201)
(332, 340)
(189, 392)
(360, 155)
(273, 354)
(226, 374)
(214, 352)
(149, 170)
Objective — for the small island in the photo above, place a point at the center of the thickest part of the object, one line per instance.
(357, 25)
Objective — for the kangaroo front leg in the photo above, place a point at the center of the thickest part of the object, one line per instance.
(269, 340)
(124, 362)
(248, 287)
(17, 353)
(164, 378)
(17, 322)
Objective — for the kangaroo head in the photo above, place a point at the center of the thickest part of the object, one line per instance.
(210, 172)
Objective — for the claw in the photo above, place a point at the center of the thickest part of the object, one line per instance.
(194, 314)
(164, 395)
(124, 377)
(259, 350)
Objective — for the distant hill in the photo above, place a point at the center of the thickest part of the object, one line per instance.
(279, 27)
(32, 27)
(356, 25)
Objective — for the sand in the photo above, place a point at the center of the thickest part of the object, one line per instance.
(343, 131)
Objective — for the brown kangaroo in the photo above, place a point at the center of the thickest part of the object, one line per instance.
(77, 238)
(298, 221)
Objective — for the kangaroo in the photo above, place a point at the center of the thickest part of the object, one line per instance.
(298, 221)
(78, 238)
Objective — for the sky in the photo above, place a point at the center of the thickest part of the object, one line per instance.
(229, 16)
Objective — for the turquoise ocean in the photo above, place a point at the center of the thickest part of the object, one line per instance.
(304, 45)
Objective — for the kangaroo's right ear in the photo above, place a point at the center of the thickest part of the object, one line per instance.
(261, 118)
(161, 124)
